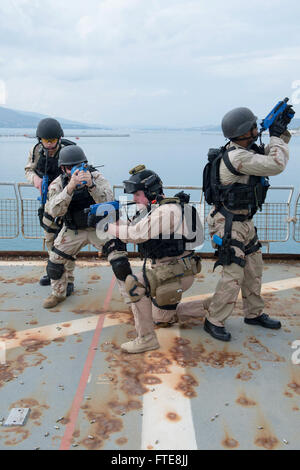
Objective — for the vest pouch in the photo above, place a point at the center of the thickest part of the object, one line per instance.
(191, 264)
(152, 281)
(260, 194)
(80, 220)
(166, 272)
(239, 198)
(169, 293)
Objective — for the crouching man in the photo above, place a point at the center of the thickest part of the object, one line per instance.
(165, 230)
(69, 197)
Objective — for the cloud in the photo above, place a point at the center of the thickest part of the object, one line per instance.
(161, 61)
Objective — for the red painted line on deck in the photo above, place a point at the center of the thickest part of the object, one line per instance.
(68, 435)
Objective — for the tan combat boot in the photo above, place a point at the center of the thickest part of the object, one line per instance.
(141, 344)
(52, 301)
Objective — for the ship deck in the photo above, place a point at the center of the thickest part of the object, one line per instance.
(65, 364)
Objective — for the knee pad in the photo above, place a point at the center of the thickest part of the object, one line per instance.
(121, 268)
(115, 244)
(54, 270)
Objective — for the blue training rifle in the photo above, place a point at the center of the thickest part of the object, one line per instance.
(280, 107)
(103, 210)
(45, 185)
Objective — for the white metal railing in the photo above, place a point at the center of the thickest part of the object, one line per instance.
(273, 222)
(296, 220)
(9, 214)
(30, 226)
(19, 214)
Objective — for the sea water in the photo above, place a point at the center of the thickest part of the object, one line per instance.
(178, 156)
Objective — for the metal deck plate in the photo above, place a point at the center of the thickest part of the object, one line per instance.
(17, 417)
(65, 364)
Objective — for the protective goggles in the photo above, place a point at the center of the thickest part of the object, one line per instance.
(146, 184)
(49, 141)
(130, 187)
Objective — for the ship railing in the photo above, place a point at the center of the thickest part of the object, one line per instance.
(18, 214)
(273, 222)
(296, 220)
(30, 227)
(9, 212)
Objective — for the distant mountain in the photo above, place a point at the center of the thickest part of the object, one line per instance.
(12, 118)
(295, 124)
(209, 128)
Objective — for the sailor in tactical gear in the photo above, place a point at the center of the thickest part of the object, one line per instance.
(69, 196)
(43, 162)
(166, 230)
(235, 181)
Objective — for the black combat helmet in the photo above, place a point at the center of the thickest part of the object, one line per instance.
(71, 155)
(143, 180)
(49, 128)
(237, 122)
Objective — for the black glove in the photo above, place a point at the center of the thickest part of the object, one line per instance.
(93, 220)
(278, 127)
(288, 114)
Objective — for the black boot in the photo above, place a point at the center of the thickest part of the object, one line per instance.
(70, 289)
(217, 332)
(45, 280)
(265, 321)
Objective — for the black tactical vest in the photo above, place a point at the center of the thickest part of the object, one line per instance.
(76, 218)
(48, 166)
(158, 248)
(52, 170)
(235, 196)
(238, 196)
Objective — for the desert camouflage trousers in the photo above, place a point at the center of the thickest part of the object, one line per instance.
(70, 265)
(235, 278)
(146, 313)
(70, 242)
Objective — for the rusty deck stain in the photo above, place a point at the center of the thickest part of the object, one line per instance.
(240, 395)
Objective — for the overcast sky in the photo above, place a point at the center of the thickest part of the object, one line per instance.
(148, 62)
